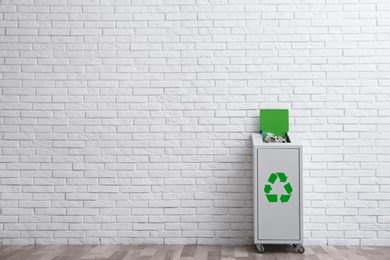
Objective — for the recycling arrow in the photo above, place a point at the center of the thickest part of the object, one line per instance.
(284, 198)
(288, 188)
(272, 178)
(282, 176)
(267, 188)
(272, 197)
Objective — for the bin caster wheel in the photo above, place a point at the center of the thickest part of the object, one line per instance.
(260, 247)
(300, 249)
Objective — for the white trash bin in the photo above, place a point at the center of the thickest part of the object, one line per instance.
(277, 178)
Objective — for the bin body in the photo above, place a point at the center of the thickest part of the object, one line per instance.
(278, 217)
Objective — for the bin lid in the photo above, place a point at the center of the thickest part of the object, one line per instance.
(274, 121)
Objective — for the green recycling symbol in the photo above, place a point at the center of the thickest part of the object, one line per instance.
(287, 187)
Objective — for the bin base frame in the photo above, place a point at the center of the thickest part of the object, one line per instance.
(300, 248)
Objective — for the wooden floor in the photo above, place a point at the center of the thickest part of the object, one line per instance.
(178, 252)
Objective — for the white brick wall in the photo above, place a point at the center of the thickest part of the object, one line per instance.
(129, 121)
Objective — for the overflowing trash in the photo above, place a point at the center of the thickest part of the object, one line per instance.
(269, 137)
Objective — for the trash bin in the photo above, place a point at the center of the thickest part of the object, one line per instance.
(278, 217)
